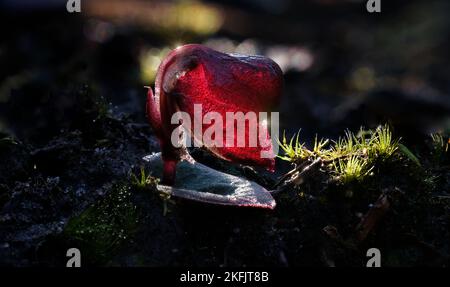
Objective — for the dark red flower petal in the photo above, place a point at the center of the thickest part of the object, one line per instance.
(194, 74)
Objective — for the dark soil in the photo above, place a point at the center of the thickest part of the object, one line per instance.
(73, 130)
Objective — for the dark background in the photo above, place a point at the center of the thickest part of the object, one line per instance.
(344, 67)
(72, 99)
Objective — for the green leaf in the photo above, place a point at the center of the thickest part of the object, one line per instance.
(409, 154)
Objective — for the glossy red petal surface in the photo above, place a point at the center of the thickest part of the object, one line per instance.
(194, 74)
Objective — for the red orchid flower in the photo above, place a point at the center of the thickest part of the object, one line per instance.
(194, 74)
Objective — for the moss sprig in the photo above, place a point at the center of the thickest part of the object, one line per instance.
(348, 159)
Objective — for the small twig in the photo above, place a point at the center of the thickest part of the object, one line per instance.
(442, 196)
(286, 175)
(299, 175)
(295, 175)
(372, 217)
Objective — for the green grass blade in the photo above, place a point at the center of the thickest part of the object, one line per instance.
(409, 154)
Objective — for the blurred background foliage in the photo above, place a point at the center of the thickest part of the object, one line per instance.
(344, 67)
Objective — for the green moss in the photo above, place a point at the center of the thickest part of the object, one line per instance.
(351, 169)
(440, 147)
(350, 158)
(439, 144)
(101, 229)
(143, 180)
(293, 151)
(381, 144)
